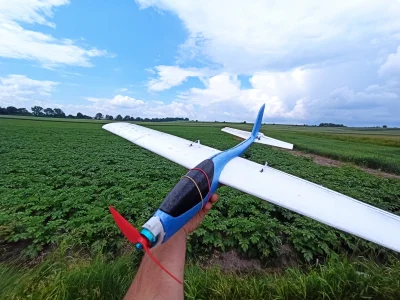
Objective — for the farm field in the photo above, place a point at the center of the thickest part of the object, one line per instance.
(376, 148)
(57, 180)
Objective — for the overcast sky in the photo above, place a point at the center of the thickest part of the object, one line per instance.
(308, 61)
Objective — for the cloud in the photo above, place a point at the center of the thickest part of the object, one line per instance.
(222, 87)
(276, 90)
(392, 64)
(125, 102)
(249, 36)
(290, 97)
(20, 90)
(374, 105)
(20, 43)
(126, 105)
(309, 61)
(170, 76)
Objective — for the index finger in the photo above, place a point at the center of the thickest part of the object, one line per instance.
(214, 198)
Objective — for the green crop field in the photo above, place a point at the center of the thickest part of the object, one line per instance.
(57, 180)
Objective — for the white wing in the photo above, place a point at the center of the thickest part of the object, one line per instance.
(277, 187)
(261, 138)
(183, 152)
(314, 201)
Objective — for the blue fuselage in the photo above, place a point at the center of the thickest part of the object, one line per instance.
(192, 192)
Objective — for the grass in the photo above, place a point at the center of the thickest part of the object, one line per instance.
(373, 148)
(65, 277)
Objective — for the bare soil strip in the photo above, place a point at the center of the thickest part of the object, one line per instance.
(325, 161)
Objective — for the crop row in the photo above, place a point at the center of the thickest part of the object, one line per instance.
(57, 182)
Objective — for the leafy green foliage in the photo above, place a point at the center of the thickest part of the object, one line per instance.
(57, 180)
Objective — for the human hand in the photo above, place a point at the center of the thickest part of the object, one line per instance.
(198, 218)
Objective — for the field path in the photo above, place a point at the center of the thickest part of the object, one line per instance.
(325, 161)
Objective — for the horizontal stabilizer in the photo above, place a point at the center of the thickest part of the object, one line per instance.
(261, 138)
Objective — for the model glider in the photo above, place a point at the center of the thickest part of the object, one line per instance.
(209, 168)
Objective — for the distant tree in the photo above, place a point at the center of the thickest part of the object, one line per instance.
(384, 126)
(244, 122)
(23, 112)
(197, 120)
(98, 116)
(3, 110)
(49, 112)
(132, 119)
(70, 116)
(330, 125)
(37, 111)
(119, 118)
(58, 113)
(138, 119)
(79, 115)
(110, 117)
(11, 110)
(127, 118)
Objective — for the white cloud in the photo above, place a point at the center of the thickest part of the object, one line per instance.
(30, 11)
(222, 87)
(20, 43)
(125, 101)
(126, 105)
(19, 90)
(290, 98)
(118, 101)
(248, 36)
(277, 90)
(392, 64)
(308, 60)
(374, 105)
(170, 76)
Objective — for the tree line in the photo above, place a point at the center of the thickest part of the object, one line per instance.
(38, 111)
(331, 125)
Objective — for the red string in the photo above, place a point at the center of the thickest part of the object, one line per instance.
(205, 174)
(159, 264)
(135, 237)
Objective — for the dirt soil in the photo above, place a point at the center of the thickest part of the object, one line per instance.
(325, 161)
(231, 261)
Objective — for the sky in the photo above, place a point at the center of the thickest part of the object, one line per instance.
(309, 61)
